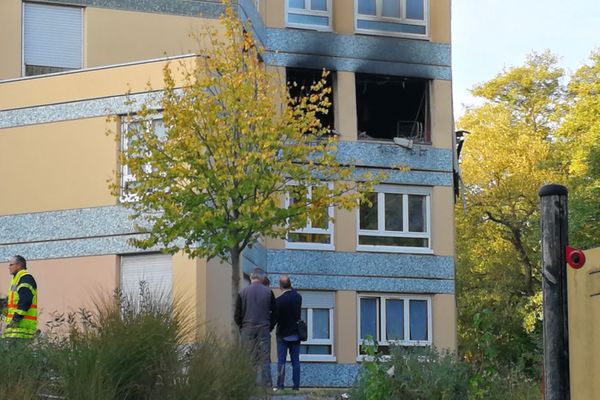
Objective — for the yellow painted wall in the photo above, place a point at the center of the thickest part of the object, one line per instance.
(10, 39)
(186, 279)
(80, 85)
(584, 327)
(345, 105)
(273, 13)
(217, 296)
(444, 322)
(346, 327)
(442, 220)
(138, 36)
(439, 20)
(343, 16)
(56, 166)
(67, 284)
(442, 121)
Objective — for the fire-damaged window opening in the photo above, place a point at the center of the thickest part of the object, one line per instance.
(392, 106)
(305, 78)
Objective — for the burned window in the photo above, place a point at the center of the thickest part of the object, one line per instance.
(304, 79)
(390, 106)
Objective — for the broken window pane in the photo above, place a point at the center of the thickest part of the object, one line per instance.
(391, 106)
(304, 79)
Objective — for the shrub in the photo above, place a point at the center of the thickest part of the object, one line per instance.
(138, 349)
(413, 374)
(22, 370)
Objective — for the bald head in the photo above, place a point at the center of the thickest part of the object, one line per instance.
(284, 282)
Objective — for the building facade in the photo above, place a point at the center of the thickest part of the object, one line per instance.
(385, 271)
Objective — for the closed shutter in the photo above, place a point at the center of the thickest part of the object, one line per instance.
(317, 299)
(53, 36)
(155, 270)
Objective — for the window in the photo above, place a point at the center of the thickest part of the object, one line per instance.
(317, 312)
(396, 220)
(311, 14)
(52, 38)
(391, 106)
(299, 82)
(127, 178)
(392, 17)
(318, 233)
(398, 320)
(151, 274)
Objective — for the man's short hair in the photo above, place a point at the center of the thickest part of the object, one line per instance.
(258, 274)
(285, 282)
(20, 261)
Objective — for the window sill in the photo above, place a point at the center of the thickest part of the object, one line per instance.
(318, 28)
(392, 34)
(317, 358)
(309, 246)
(392, 249)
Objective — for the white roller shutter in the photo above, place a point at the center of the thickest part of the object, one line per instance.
(53, 35)
(156, 270)
(317, 299)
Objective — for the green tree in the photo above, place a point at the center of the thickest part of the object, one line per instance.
(579, 136)
(506, 158)
(235, 144)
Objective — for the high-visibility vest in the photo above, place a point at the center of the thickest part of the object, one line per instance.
(27, 326)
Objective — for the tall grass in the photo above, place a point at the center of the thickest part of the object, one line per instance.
(126, 349)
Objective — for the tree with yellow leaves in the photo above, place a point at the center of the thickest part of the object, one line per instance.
(235, 144)
(506, 158)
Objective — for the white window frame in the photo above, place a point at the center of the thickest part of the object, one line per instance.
(308, 229)
(127, 176)
(308, 11)
(405, 233)
(23, 66)
(312, 341)
(403, 20)
(381, 338)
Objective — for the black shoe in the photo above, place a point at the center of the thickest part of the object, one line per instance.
(295, 388)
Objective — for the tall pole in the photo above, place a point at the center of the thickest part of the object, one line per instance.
(554, 225)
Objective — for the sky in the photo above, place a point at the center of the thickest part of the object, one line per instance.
(490, 35)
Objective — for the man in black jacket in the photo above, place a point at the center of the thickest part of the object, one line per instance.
(289, 307)
(255, 315)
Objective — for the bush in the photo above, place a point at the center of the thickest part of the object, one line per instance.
(127, 350)
(22, 370)
(413, 374)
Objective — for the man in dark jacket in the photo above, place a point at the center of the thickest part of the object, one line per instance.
(255, 315)
(289, 307)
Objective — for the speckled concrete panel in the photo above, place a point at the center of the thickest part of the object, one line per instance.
(372, 284)
(407, 177)
(358, 65)
(364, 47)
(72, 248)
(67, 224)
(360, 264)
(78, 109)
(369, 154)
(321, 374)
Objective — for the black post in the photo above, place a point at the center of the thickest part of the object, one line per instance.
(554, 214)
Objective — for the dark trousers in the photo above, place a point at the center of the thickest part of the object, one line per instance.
(283, 347)
(257, 340)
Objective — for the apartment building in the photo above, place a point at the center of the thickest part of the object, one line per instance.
(385, 271)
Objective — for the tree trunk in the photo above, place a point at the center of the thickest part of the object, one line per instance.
(235, 289)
